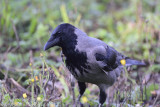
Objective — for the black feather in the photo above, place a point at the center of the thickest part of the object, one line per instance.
(109, 59)
(74, 58)
(130, 62)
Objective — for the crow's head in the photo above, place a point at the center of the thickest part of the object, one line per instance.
(61, 36)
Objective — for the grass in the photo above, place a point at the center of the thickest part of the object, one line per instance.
(131, 27)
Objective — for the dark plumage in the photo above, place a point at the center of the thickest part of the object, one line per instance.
(88, 59)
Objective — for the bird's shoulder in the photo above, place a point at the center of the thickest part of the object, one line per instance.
(91, 54)
(105, 57)
(88, 43)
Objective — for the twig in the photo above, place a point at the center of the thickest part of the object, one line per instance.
(155, 100)
(17, 37)
(18, 89)
(6, 53)
(72, 89)
(3, 67)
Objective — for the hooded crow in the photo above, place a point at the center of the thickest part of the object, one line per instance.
(88, 59)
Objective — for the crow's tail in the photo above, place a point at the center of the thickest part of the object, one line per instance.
(130, 62)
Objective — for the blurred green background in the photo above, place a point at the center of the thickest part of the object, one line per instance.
(130, 26)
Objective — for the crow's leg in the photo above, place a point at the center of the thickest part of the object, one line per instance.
(82, 88)
(102, 96)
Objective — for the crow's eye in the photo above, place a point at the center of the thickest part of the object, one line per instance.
(58, 33)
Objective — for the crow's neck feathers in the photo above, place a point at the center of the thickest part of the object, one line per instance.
(71, 39)
(75, 59)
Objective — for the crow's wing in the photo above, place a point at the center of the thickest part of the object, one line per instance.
(108, 61)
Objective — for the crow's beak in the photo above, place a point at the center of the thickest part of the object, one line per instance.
(51, 42)
(47, 46)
